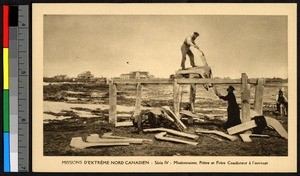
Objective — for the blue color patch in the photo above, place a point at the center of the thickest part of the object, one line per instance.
(6, 152)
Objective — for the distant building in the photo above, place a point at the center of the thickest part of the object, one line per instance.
(100, 80)
(57, 78)
(125, 76)
(274, 81)
(85, 76)
(60, 77)
(134, 74)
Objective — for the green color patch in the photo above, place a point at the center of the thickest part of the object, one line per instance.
(6, 110)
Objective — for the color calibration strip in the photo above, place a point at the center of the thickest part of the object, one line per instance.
(6, 135)
(15, 88)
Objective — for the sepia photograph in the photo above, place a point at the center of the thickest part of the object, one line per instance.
(179, 85)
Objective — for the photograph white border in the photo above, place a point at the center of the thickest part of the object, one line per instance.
(41, 163)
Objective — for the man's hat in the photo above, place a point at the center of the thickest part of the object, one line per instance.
(231, 88)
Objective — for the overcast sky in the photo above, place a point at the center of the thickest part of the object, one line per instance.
(109, 45)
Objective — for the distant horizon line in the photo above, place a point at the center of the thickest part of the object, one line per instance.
(274, 77)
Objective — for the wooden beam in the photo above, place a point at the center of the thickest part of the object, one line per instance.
(259, 135)
(176, 97)
(123, 124)
(216, 138)
(242, 127)
(77, 142)
(178, 122)
(178, 133)
(194, 70)
(189, 113)
(191, 120)
(144, 81)
(94, 138)
(213, 81)
(259, 93)
(192, 97)
(111, 136)
(161, 136)
(245, 137)
(182, 81)
(220, 133)
(112, 103)
(137, 109)
(277, 126)
(245, 99)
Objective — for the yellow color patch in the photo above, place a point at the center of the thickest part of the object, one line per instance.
(5, 69)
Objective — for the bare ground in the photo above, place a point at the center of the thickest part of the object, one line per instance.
(57, 137)
(58, 133)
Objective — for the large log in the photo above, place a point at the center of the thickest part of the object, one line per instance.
(220, 133)
(77, 142)
(178, 133)
(161, 136)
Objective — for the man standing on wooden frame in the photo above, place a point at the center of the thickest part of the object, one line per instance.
(185, 49)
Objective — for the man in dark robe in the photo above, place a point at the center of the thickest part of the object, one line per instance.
(281, 100)
(233, 109)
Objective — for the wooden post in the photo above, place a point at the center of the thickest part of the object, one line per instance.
(245, 99)
(259, 92)
(192, 94)
(112, 102)
(176, 97)
(137, 109)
